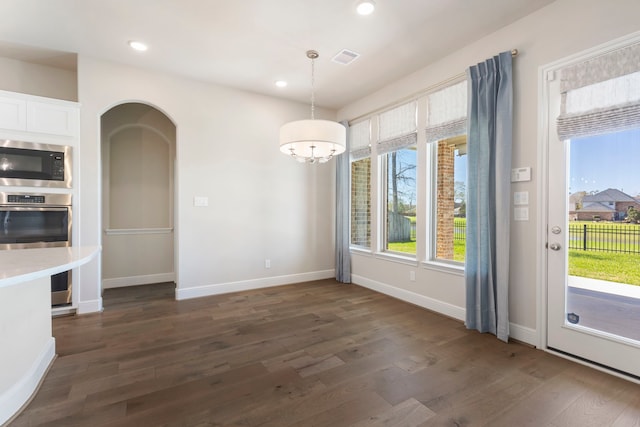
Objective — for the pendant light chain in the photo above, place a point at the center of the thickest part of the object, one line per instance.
(312, 54)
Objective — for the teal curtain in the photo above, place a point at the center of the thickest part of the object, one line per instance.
(343, 256)
(489, 140)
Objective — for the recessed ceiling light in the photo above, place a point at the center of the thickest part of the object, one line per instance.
(281, 83)
(139, 46)
(365, 7)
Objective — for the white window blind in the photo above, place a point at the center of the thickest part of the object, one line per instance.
(360, 140)
(397, 128)
(601, 95)
(447, 112)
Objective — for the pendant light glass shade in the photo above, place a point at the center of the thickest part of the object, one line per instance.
(313, 141)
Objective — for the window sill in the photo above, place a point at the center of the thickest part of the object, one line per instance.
(444, 267)
(394, 257)
(360, 250)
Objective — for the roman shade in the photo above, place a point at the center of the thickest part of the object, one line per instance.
(601, 95)
(447, 112)
(360, 140)
(397, 128)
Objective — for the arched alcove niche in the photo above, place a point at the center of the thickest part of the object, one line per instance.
(138, 157)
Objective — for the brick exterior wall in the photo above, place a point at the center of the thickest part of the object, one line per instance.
(361, 202)
(445, 201)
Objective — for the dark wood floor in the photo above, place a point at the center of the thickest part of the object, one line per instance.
(313, 354)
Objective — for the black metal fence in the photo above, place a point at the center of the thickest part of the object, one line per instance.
(605, 237)
(624, 238)
(459, 230)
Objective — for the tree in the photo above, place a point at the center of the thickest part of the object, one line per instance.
(633, 214)
(401, 181)
(460, 197)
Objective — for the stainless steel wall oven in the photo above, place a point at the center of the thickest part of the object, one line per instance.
(29, 220)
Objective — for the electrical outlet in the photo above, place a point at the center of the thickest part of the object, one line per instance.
(412, 276)
(267, 263)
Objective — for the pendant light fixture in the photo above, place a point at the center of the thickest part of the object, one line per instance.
(312, 141)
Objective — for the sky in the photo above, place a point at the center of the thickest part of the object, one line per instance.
(606, 161)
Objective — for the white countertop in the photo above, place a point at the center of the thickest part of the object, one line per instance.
(21, 265)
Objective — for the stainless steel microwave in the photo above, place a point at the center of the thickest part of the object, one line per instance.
(29, 164)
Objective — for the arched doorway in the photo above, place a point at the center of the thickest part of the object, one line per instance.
(138, 157)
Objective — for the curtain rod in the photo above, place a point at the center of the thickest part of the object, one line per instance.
(514, 53)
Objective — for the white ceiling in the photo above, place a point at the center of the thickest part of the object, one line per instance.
(248, 44)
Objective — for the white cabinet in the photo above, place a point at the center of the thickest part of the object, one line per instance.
(51, 118)
(13, 113)
(35, 114)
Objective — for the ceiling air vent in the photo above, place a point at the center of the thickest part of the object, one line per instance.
(345, 57)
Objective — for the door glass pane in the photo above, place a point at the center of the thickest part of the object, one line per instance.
(603, 291)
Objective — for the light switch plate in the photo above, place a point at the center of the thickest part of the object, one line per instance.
(521, 214)
(521, 198)
(200, 201)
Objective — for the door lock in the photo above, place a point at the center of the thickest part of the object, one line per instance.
(555, 246)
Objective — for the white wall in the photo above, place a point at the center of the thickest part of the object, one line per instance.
(262, 205)
(559, 30)
(40, 80)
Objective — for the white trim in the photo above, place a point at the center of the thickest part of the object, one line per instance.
(523, 334)
(545, 73)
(136, 231)
(120, 282)
(18, 396)
(444, 267)
(245, 285)
(90, 306)
(593, 365)
(398, 257)
(411, 297)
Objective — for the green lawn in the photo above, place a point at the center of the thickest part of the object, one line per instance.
(610, 266)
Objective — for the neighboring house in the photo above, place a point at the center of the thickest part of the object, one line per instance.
(608, 205)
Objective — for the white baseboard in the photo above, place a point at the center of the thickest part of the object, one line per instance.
(523, 334)
(20, 393)
(120, 282)
(411, 297)
(517, 332)
(245, 285)
(91, 306)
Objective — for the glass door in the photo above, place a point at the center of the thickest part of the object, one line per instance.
(593, 245)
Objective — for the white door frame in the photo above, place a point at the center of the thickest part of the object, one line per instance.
(547, 73)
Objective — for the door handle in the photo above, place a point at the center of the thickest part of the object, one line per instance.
(555, 246)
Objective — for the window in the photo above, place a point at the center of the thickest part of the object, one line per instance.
(449, 188)
(359, 138)
(400, 200)
(400, 190)
(446, 136)
(397, 139)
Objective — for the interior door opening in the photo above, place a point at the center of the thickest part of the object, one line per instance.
(138, 157)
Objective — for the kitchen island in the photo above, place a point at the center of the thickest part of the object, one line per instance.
(28, 347)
